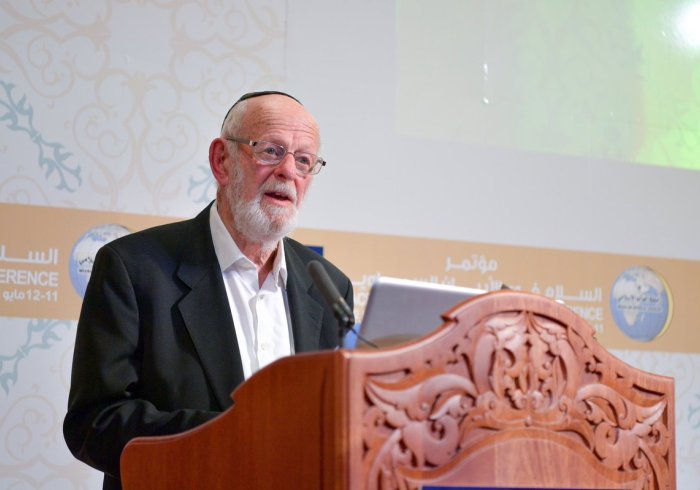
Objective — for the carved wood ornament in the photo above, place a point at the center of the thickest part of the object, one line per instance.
(513, 385)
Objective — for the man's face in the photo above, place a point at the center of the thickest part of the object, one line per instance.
(265, 199)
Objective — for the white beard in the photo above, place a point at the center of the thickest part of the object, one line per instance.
(265, 224)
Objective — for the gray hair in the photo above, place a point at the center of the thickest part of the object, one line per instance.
(234, 120)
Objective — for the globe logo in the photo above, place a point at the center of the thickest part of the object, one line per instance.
(641, 304)
(83, 254)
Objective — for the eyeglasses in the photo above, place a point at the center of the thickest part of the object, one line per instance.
(271, 154)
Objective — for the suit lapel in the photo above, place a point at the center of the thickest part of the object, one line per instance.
(206, 312)
(306, 313)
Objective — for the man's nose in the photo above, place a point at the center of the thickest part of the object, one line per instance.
(287, 168)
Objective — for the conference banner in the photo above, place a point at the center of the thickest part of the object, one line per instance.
(636, 303)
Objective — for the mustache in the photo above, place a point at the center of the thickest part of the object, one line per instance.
(286, 189)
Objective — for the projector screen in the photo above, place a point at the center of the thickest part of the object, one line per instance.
(605, 80)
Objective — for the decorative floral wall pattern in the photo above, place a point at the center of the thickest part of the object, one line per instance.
(120, 99)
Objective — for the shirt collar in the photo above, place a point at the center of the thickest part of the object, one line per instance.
(228, 253)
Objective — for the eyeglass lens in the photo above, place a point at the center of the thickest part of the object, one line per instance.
(273, 153)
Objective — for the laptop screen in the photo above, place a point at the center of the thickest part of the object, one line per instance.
(399, 310)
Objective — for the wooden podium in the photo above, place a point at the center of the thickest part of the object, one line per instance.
(512, 391)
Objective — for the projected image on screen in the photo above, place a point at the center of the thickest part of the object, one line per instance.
(612, 80)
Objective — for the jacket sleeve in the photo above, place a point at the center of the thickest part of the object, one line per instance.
(105, 406)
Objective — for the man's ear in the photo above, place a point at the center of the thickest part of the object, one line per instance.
(217, 161)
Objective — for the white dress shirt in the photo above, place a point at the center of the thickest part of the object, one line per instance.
(260, 313)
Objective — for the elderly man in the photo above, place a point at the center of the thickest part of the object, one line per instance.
(175, 317)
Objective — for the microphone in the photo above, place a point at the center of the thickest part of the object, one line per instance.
(342, 311)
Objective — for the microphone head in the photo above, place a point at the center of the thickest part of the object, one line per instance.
(330, 293)
(342, 311)
(323, 281)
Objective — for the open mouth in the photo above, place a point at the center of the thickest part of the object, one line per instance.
(279, 197)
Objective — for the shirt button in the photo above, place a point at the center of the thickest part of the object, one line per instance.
(264, 346)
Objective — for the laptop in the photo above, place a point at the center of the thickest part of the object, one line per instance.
(399, 310)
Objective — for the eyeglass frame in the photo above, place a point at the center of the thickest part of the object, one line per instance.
(319, 162)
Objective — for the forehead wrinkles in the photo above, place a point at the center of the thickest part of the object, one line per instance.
(272, 119)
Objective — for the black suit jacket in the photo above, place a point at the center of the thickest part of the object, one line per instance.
(156, 351)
